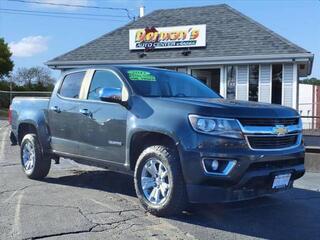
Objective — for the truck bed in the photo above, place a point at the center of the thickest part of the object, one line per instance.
(29, 104)
(24, 108)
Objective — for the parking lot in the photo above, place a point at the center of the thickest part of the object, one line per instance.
(80, 202)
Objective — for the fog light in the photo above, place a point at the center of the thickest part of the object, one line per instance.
(218, 166)
(214, 165)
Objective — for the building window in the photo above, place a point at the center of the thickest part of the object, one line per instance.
(276, 94)
(253, 82)
(231, 82)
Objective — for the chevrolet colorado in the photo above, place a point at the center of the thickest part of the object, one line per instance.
(182, 142)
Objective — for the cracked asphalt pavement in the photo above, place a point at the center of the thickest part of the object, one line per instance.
(81, 202)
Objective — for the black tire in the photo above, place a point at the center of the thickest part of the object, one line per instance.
(13, 139)
(42, 164)
(176, 199)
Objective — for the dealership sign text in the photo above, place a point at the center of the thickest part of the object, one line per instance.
(167, 37)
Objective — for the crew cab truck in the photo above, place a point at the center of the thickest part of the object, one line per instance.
(182, 142)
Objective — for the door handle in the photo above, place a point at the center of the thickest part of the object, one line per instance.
(56, 109)
(86, 112)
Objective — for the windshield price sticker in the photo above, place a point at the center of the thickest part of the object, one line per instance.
(138, 75)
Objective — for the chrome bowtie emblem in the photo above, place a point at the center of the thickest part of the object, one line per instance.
(280, 130)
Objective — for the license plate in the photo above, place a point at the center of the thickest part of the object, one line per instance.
(281, 181)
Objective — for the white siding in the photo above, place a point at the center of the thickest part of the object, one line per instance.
(223, 82)
(265, 83)
(182, 69)
(306, 96)
(287, 85)
(287, 97)
(295, 92)
(242, 82)
(242, 93)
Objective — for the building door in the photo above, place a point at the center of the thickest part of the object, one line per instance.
(210, 77)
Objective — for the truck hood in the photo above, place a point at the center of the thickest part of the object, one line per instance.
(220, 107)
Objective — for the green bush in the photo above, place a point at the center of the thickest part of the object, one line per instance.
(38, 88)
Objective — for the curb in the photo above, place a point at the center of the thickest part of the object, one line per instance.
(312, 162)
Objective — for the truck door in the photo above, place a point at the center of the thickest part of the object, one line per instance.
(63, 114)
(103, 124)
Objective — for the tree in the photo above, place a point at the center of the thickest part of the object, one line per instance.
(42, 76)
(34, 77)
(313, 81)
(6, 64)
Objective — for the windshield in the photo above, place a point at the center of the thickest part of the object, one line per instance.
(162, 83)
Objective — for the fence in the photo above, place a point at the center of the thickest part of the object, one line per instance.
(310, 114)
(311, 122)
(7, 96)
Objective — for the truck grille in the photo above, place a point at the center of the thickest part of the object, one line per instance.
(272, 142)
(269, 121)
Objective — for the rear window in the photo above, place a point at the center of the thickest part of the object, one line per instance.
(71, 85)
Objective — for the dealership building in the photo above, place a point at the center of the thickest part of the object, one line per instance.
(228, 51)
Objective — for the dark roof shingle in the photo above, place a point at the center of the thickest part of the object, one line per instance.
(229, 33)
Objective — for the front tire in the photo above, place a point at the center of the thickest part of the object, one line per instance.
(159, 182)
(34, 164)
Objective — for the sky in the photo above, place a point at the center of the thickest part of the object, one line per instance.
(37, 39)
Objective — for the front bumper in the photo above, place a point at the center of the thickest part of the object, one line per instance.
(252, 176)
(252, 185)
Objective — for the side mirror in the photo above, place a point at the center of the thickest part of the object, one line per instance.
(110, 95)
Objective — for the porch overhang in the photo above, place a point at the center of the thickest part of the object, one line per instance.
(301, 58)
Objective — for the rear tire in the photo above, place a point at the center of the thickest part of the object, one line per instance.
(34, 164)
(161, 191)
(13, 139)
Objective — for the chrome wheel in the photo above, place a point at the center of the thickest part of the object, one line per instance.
(28, 156)
(155, 181)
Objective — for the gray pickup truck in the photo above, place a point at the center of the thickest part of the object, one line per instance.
(182, 142)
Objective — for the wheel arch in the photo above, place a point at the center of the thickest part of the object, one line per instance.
(27, 127)
(140, 140)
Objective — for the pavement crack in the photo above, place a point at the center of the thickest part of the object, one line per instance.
(95, 225)
(63, 206)
(114, 225)
(7, 191)
(120, 212)
(59, 234)
(19, 189)
(9, 164)
(85, 216)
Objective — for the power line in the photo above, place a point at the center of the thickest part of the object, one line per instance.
(59, 16)
(61, 13)
(74, 5)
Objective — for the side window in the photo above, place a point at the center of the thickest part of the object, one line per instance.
(103, 79)
(71, 85)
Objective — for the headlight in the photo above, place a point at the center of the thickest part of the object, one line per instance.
(215, 126)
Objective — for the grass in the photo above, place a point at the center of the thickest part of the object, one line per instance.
(3, 113)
